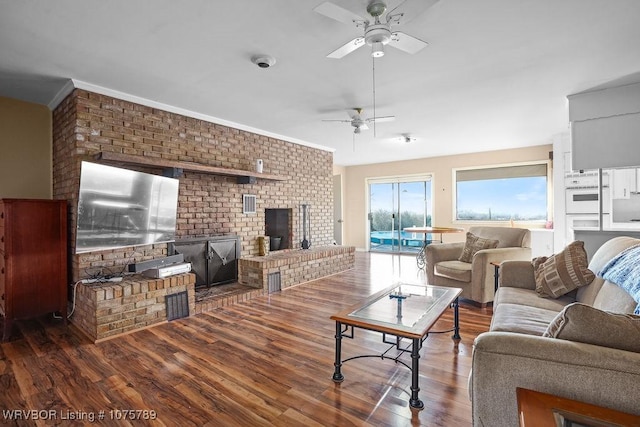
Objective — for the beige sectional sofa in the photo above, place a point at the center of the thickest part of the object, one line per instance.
(516, 354)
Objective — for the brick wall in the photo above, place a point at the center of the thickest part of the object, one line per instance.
(296, 267)
(86, 123)
(109, 309)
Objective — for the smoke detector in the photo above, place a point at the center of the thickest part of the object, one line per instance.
(263, 61)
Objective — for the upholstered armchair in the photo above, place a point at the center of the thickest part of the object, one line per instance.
(476, 277)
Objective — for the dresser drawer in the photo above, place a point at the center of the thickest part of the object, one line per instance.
(3, 281)
(2, 221)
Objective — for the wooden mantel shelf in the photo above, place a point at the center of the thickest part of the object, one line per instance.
(244, 177)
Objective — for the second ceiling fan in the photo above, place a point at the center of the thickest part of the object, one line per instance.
(358, 122)
(378, 28)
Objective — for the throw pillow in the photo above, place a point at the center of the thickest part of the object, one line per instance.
(583, 323)
(475, 244)
(563, 272)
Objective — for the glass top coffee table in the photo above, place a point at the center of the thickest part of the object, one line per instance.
(403, 311)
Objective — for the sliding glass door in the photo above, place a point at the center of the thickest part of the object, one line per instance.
(395, 204)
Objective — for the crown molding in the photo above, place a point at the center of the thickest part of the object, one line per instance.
(79, 84)
(61, 95)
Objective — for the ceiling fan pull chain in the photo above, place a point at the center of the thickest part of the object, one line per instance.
(373, 59)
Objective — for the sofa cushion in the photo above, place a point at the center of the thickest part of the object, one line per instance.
(527, 297)
(609, 250)
(563, 272)
(456, 270)
(521, 319)
(508, 237)
(613, 298)
(474, 244)
(624, 271)
(604, 254)
(583, 323)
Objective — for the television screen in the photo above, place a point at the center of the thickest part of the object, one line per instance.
(120, 207)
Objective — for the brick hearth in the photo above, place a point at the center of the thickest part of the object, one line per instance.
(106, 309)
(296, 266)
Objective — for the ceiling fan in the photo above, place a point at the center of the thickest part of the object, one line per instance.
(377, 28)
(359, 123)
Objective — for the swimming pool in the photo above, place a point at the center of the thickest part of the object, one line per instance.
(391, 238)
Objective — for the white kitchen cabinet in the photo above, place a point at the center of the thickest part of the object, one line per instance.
(623, 183)
(541, 242)
(567, 161)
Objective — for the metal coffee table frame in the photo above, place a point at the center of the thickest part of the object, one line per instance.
(346, 321)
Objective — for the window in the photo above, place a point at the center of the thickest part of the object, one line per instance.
(502, 193)
(394, 204)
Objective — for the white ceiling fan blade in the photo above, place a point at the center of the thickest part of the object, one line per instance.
(381, 119)
(347, 48)
(338, 13)
(408, 10)
(406, 42)
(336, 120)
(363, 126)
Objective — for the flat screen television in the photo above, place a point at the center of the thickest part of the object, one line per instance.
(120, 207)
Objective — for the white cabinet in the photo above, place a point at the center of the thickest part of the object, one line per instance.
(541, 242)
(623, 183)
(567, 161)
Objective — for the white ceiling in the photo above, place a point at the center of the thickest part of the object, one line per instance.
(495, 75)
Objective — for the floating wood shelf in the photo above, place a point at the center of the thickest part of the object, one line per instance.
(174, 168)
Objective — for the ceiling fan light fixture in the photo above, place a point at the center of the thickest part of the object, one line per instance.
(377, 26)
(376, 8)
(377, 50)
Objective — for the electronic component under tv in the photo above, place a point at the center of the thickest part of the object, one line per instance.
(120, 207)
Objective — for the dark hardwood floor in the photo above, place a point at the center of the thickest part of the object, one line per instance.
(266, 361)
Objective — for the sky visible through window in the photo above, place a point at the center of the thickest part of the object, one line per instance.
(523, 199)
(412, 197)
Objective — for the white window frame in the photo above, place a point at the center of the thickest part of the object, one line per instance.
(454, 199)
(388, 180)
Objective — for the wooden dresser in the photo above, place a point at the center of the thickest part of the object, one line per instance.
(33, 259)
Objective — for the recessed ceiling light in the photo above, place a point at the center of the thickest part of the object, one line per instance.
(408, 139)
(263, 61)
(405, 138)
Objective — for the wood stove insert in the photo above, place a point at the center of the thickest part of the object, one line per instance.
(214, 259)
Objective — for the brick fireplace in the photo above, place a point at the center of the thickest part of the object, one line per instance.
(278, 226)
(87, 123)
